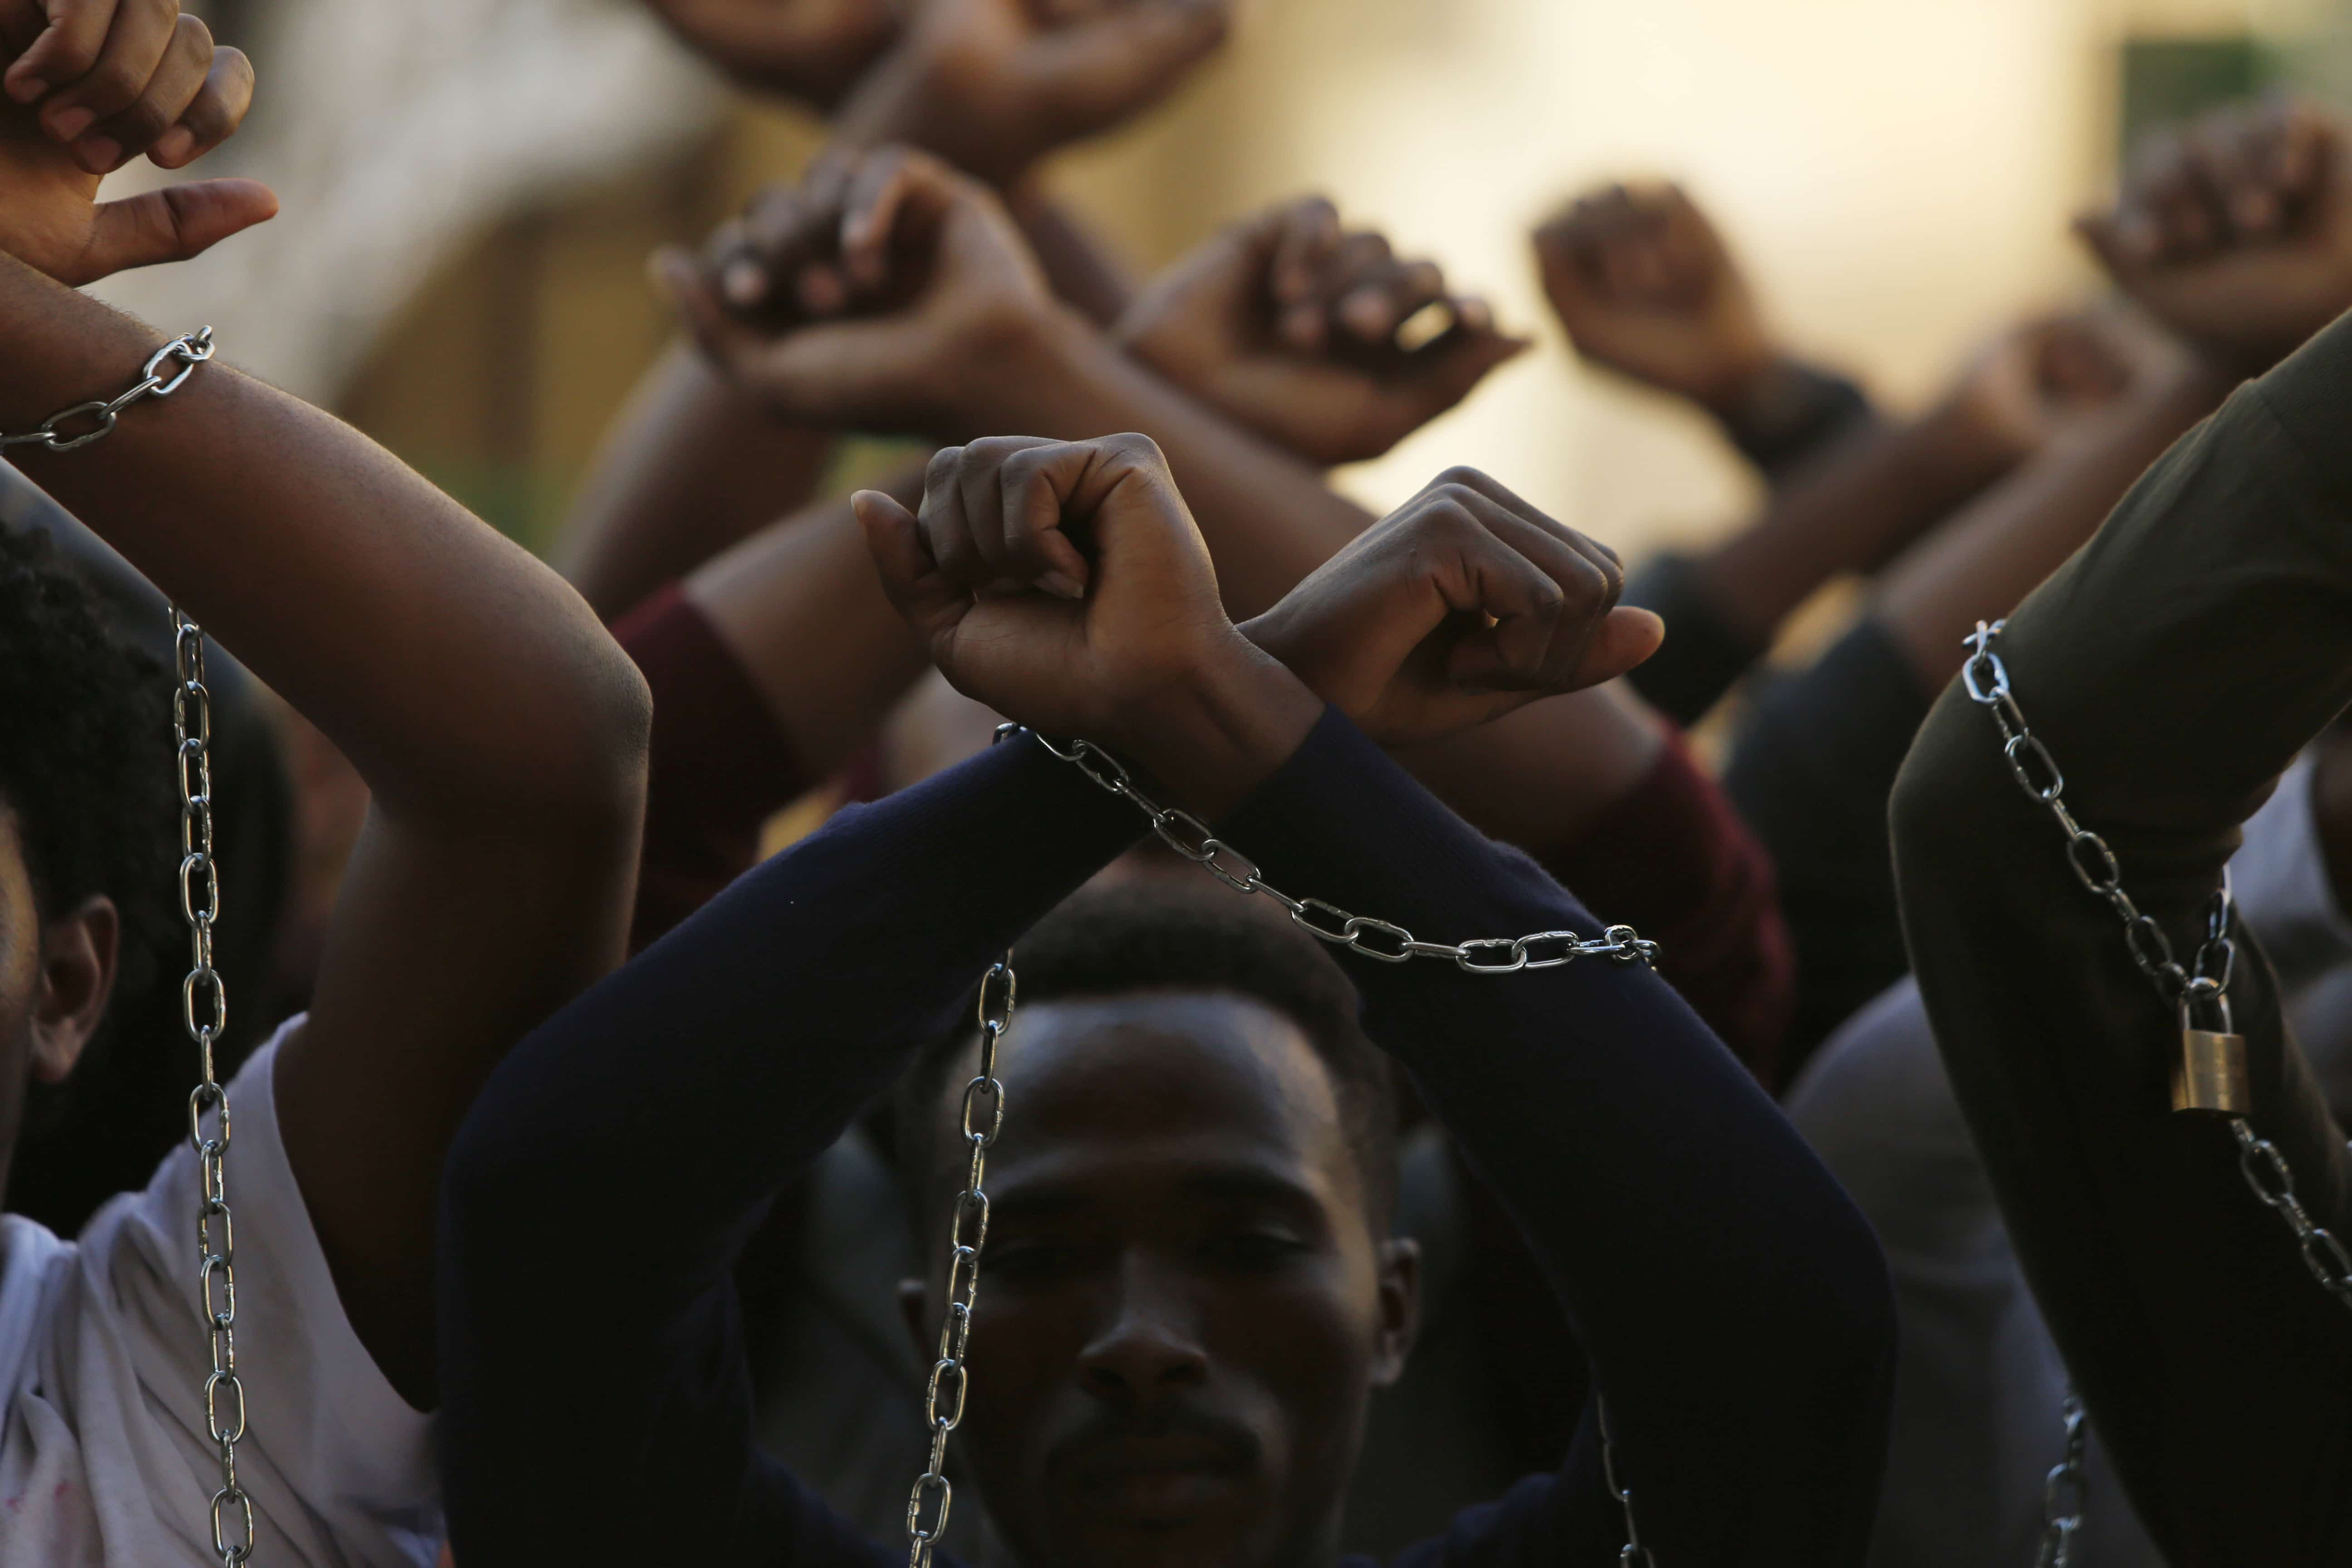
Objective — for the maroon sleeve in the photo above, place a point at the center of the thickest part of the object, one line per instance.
(720, 766)
(1673, 860)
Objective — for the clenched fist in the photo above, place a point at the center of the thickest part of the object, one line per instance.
(1459, 607)
(1305, 333)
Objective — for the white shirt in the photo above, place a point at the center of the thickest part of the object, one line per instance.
(104, 1458)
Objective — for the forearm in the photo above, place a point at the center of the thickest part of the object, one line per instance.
(1269, 518)
(800, 607)
(1990, 555)
(2173, 668)
(1733, 1302)
(690, 467)
(770, 1017)
(465, 683)
(1084, 273)
(1849, 510)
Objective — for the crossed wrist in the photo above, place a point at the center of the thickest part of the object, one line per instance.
(1212, 736)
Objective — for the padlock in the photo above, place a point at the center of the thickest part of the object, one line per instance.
(2210, 1075)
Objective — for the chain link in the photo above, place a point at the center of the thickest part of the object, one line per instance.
(190, 350)
(1377, 939)
(950, 1379)
(203, 1009)
(2065, 1492)
(2263, 1166)
(1632, 1554)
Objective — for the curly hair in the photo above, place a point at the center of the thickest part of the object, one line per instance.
(86, 767)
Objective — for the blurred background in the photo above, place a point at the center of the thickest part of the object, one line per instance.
(475, 185)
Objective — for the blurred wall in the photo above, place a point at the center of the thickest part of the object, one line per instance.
(1897, 173)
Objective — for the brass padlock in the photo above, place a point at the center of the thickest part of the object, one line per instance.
(2210, 1075)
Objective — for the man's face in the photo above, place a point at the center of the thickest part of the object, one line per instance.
(1183, 1308)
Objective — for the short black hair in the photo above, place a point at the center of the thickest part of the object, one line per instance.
(87, 765)
(1158, 934)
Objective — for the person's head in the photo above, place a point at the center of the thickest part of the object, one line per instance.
(84, 818)
(1189, 1290)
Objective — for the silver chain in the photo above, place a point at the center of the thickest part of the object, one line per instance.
(2063, 1492)
(1632, 1554)
(984, 1119)
(190, 350)
(223, 1395)
(1390, 943)
(2263, 1166)
(1375, 939)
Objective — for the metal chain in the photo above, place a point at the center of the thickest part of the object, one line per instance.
(223, 1395)
(1391, 943)
(2063, 1492)
(190, 349)
(1375, 939)
(1632, 1554)
(983, 1120)
(2094, 866)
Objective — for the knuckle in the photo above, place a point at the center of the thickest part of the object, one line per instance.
(1460, 477)
(1136, 448)
(190, 34)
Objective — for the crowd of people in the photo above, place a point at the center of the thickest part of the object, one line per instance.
(1287, 1055)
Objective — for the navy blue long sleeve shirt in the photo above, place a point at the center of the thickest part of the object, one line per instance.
(597, 1404)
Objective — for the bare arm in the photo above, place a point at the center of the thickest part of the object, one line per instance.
(500, 732)
(690, 467)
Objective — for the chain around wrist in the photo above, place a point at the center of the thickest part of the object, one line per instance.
(187, 352)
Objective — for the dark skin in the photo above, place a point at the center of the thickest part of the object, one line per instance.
(57, 973)
(500, 732)
(1188, 1298)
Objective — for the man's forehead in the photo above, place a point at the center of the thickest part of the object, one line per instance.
(1149, 1062)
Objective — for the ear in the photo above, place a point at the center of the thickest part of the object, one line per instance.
(919, 1331)
(78, 958)
(1400, 1281)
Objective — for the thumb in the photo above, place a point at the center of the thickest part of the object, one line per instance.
(911, 580)
(1098, 72)
(171, 225)
(1625, 638)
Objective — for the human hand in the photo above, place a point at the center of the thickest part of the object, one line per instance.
(991, 86)
(94, 83)
(812, 49)
(1307, 334)
(877, 294)
(2038, 379)
(2236, 232)
(1459, 607)
(1645, 287)
(1065, 586)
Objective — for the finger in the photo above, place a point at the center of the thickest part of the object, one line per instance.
(1306, 237)
(171, 225)
(981, 478)
(1036, 549)
(946, 534)
(137, 38)
(1586, 577)
(759, 257)
(1380, 300)
(65, 49)
(884, 195)
(2227, 153)
(1096, 73)
(213, 116)
(1448, 370)
(179, 77)
(911, 580)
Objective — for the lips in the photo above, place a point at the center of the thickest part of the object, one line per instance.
(1164, 1475)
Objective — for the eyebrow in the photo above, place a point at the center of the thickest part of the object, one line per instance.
(1059, 1197)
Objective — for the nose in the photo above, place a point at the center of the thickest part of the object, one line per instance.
(1146, 1344)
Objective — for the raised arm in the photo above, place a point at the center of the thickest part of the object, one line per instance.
(1645, 287)
(867, 938)
(977, 346)
(1734, 1305)
(2171, 669)
(498, 729)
